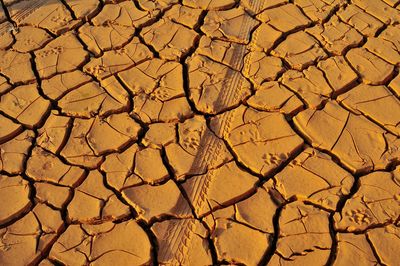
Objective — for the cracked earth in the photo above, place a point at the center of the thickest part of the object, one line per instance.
(199, 132)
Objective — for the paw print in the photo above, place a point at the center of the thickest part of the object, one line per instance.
(43, 54)
(270, 158)
(59, 20)
(97, 70)
(53, 51)
(359, 216)
(57, 50)
(29, 42)
(162, 94)
(47, 166)
(20, 103)
(250, 133)
(296, 162)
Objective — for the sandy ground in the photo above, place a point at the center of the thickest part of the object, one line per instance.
(199, 132)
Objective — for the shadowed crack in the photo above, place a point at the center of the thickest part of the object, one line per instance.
(192, 130)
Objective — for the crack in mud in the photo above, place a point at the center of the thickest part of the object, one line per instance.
(199, 132)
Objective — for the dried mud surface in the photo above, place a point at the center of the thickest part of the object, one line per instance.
(199, 132)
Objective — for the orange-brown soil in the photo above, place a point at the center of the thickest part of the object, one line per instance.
(199, 132)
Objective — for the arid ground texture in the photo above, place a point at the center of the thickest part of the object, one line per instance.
(199, 132)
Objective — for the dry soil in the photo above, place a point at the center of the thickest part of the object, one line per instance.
(199, 132)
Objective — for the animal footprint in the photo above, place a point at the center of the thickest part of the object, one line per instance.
(359, 216)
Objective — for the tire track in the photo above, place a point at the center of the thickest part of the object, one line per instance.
(177, 239)
(23, 14)
(20, 16)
